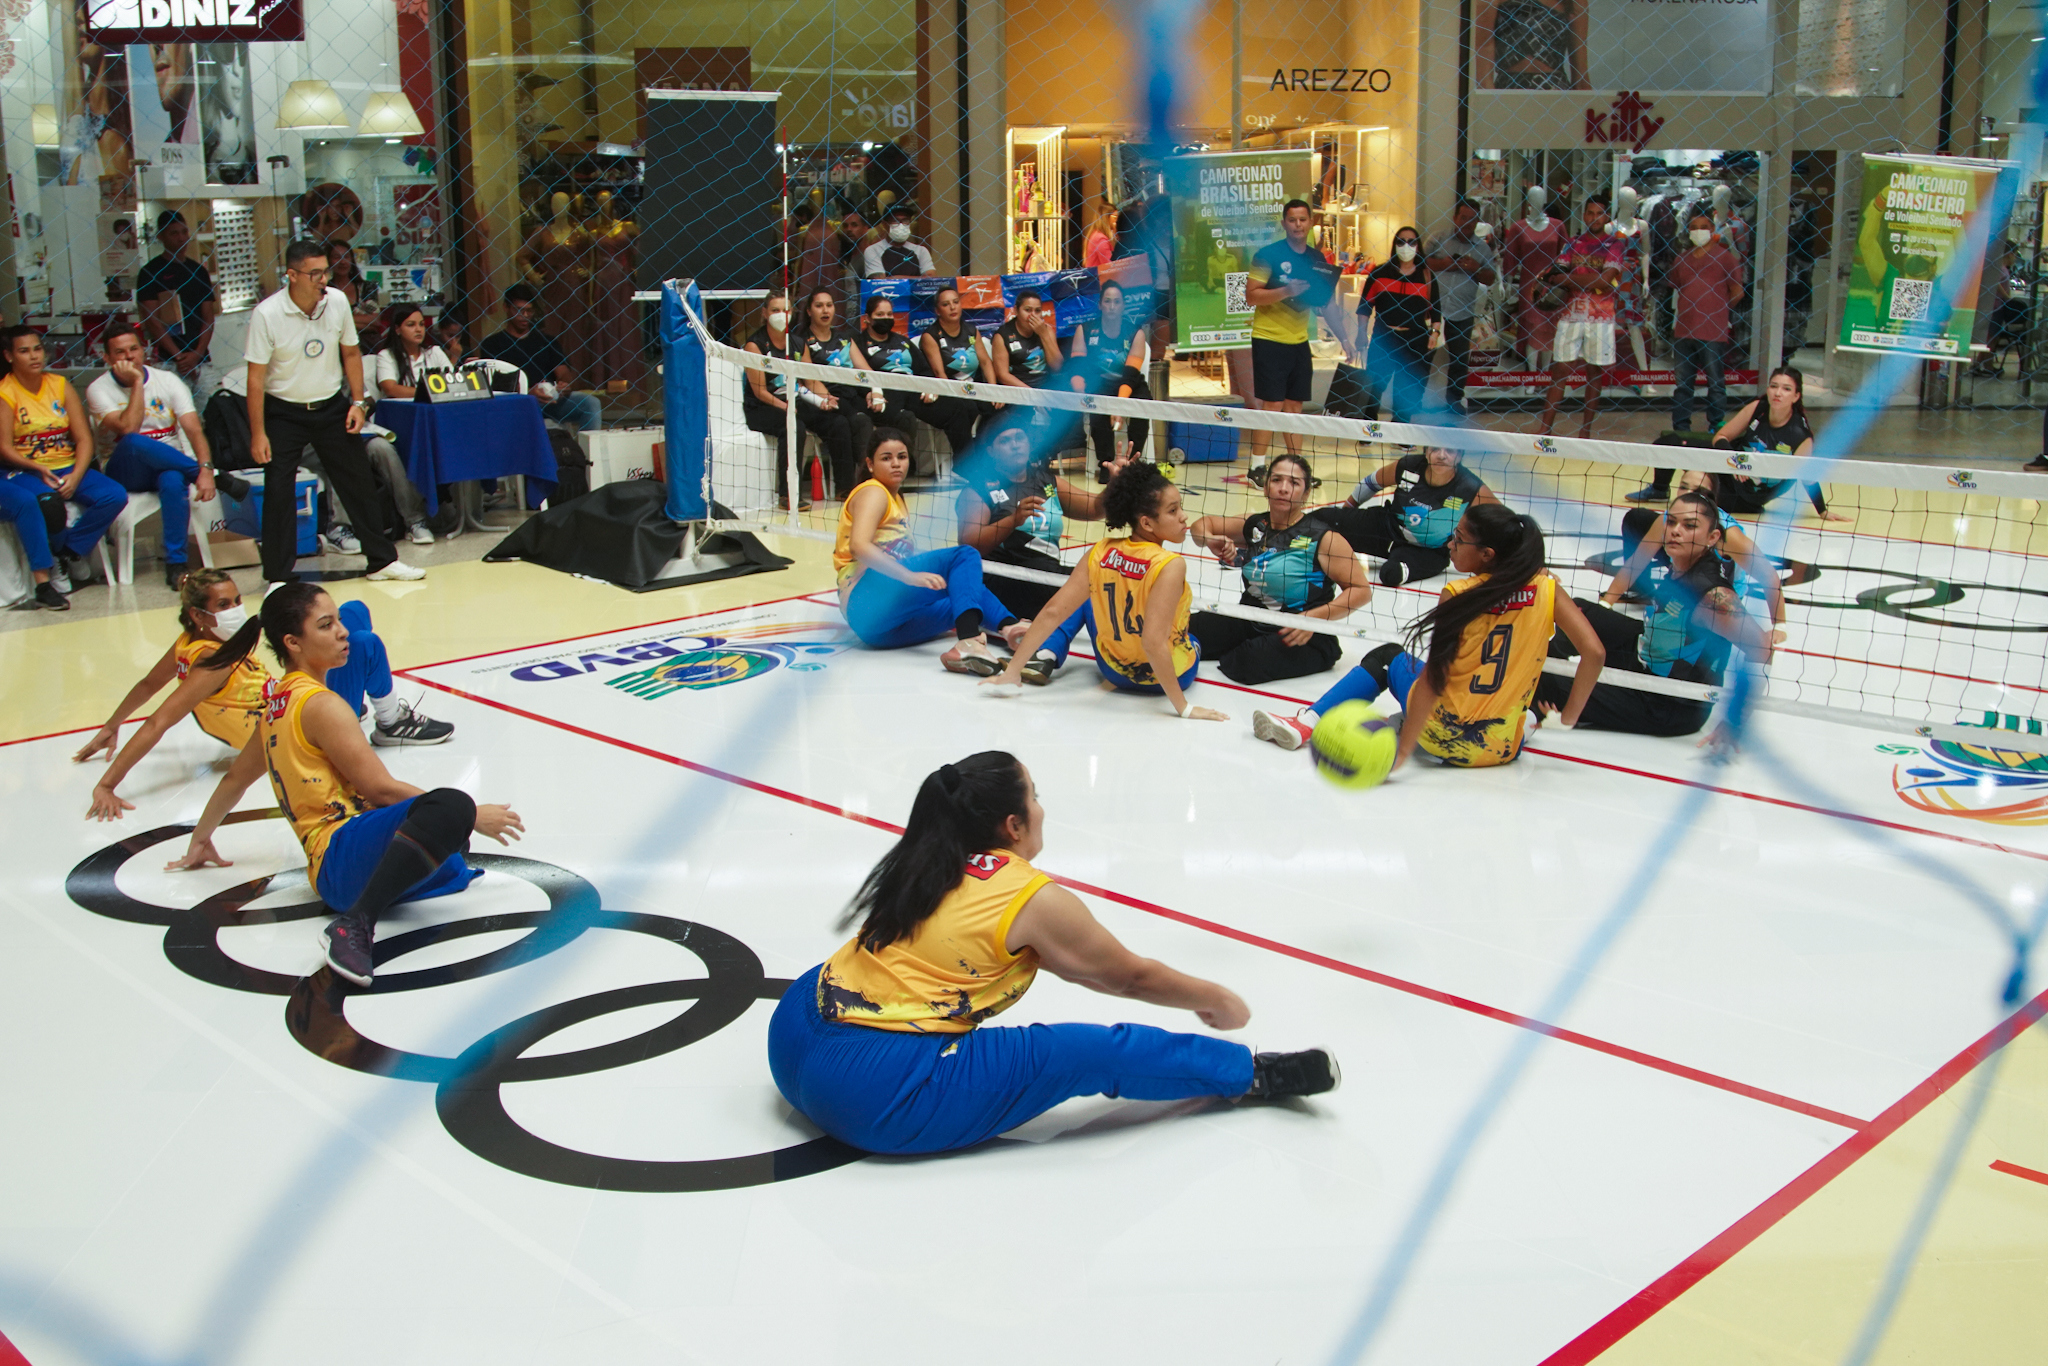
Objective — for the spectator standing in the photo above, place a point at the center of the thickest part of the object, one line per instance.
(177, 300)
(1098, 248)
(1592, 264)
(1400, 297)
(148, 419)
(1289, 280)
(1462, 260)
(897, 254)
(46, 447)
(546, 367)
(1706, 284)
(306, 389)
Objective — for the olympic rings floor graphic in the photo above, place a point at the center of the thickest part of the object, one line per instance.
(1679, 1115)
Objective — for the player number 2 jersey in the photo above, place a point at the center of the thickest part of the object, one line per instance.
(1478, 719)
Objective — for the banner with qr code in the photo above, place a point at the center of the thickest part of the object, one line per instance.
(1226, 205)
(1917, 213)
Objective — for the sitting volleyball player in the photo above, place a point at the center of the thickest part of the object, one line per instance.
(1131, 592)
(886, 1044)
(1694, 616)
(223, 700)
(1410, 533)
(892, 594)
(370, 840)
(1014, 508)
(1292, 561)
(1485, 641)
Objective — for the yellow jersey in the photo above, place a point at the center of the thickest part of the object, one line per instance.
(229, 713)
(314, 798)
(1120, 578)
(1479, 717)
(950, 973)
(892, 537)
(42, 422)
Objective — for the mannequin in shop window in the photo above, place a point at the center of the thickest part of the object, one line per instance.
(555, 261)
(1531, 247)
(615, 323)
(1629, 315)
(1536, 44)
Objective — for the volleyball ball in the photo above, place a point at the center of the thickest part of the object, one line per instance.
(1354, 745)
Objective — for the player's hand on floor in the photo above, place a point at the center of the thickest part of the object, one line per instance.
(501, 823)
(199, 854)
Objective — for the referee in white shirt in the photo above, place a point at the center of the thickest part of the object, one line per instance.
(306, 389)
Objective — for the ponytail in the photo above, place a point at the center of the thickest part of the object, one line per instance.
(283, 614)
(961, 810)
(1517, 545)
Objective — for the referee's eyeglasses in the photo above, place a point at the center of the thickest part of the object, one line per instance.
(309, 274)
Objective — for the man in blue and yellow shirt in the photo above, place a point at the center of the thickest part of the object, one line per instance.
(46, 446)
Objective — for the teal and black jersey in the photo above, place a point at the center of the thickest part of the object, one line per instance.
(1673, 643)
(958, 353)
(1282, 569)
(1428, 513)
(891, 354)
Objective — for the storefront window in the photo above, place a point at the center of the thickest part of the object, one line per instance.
(1852, 47)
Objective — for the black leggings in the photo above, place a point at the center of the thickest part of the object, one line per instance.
(1099, 429)
(956, 417)
(1252, 652)
(1374, 531)
(1612, 707)
(436, 825)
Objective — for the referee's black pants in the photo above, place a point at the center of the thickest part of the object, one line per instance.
(291, 428)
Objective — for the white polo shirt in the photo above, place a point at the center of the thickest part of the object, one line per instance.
(303, 353)
(164, 400)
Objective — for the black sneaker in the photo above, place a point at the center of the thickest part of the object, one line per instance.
(1038, 670)
(48, 598)
(411, 728)
(347, 941)
(1393, 573)
(233, 485)
(2038, 465)
(174, 576)
(1310, 1072)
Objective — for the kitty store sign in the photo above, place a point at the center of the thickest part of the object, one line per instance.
(115, 23)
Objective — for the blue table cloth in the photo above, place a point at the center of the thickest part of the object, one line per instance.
(484, 438)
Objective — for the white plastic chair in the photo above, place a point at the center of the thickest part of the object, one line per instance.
(117, 547)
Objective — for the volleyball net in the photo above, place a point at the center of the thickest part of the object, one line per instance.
(1921, 609)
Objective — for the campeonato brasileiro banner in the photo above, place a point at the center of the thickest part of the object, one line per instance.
(1226, 205)
(1917, 213)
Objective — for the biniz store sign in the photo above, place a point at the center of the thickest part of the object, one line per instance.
(115, 23)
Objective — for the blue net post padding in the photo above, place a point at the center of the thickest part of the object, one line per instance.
(686, 403)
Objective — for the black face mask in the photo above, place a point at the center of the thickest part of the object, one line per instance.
(882, 327)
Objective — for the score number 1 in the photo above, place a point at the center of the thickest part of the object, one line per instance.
(444, 387)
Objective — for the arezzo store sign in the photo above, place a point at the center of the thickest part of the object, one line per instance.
(116, 23)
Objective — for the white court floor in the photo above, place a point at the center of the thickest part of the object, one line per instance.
(211, 1159)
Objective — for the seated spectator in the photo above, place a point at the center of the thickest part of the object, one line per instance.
(453, 338)
(897, 254)
(43, 429)
(395, 371)
(147, 417)
(546, 366)
(1294, 561)
(346, 276)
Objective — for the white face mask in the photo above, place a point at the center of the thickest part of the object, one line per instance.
(1700, 237)
(1482, 231)
(229, 620)
(899, 232)
(1404, 251)
(779, 320)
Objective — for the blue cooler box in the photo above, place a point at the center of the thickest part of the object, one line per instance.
(1201, 442)
(244, 516)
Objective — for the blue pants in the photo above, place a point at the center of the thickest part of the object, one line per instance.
(1360, 685)
(99, 500)
(1062, 640)
(143, 464)
(355, 850)
(581, 411)
(890, 1092)
(1690, 357)
(887, 614)
(368, 670)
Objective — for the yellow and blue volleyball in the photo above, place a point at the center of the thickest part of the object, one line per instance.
(1354, 745)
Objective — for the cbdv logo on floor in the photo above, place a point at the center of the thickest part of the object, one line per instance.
(695, 660)
(2003, 780)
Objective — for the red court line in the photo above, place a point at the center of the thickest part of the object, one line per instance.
(10, 1355)
(2023, 1173)
(52, 735)
(1708, 787)
(1638, 1309)
(1586, 1041)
